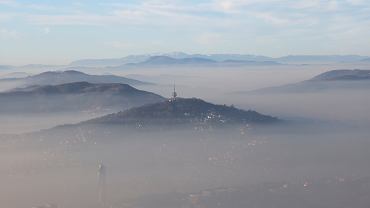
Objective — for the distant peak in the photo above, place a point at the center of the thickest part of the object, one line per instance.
(161, 57)
(73, 72)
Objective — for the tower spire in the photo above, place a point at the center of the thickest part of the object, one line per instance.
(174, 94)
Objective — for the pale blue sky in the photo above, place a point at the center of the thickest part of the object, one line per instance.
(56, 32)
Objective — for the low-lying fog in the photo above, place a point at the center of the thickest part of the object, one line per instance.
(317, 159)
(143, 166)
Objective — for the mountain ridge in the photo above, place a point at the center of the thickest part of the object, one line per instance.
(293, 59)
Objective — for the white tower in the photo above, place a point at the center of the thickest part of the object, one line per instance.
(102, 184)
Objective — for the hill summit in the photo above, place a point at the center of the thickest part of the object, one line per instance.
(184, 111)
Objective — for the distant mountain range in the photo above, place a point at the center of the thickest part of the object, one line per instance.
(168, 58)
(14, 75)
(332, 80)
(181, 111)
(62, 77)
(183, 58)
(111, 61)
(77, 96)
(320, 58)
(4, 67)
(193, 61)
(366, 60)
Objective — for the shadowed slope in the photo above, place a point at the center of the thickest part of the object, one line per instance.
(184, 111)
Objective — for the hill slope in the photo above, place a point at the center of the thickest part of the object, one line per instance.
(345, 74)
(62, 77)
(78, 96)
(183, 111)
(332, 80)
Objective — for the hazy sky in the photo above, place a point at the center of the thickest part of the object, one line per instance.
(55, 32)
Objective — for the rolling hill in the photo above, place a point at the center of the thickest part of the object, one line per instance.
(63, 77)
(77, 96)
(345, 74)
(182, 111)
(332, 80)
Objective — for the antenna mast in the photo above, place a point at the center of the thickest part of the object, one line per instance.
(174, 94)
